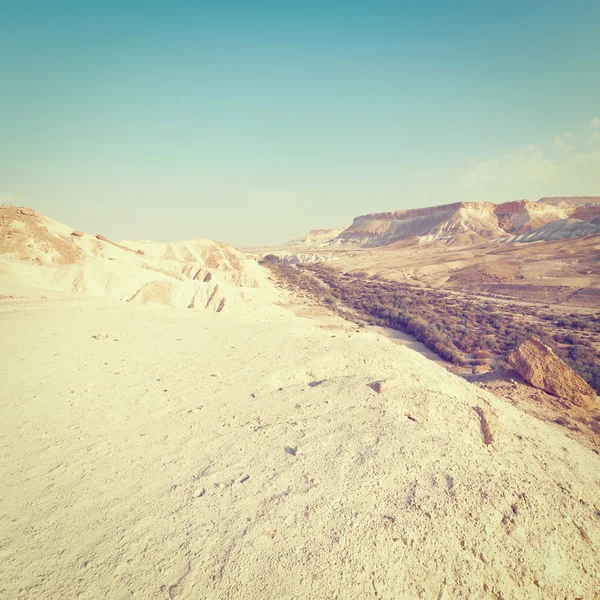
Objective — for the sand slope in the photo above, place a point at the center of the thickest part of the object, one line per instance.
(192, 456)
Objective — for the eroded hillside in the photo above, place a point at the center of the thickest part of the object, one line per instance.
(37, 252)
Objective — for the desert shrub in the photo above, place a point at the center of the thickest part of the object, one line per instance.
(451, 326)
(479, 361)
(270, 258)
(570, 338)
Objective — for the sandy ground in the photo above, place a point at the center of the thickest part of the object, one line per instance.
(203, 455)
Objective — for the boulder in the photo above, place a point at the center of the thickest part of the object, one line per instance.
(481, 369)
(539, 366)
(385, 385)
(77, 233)
(140, 251)
(99, 236)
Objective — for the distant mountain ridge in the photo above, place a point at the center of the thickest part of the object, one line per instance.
(316, 236)
(464, 223)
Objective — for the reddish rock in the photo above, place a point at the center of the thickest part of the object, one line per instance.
(77, 233)
(99, 236)
(481, 369)
(540, 367)
(28, 212)
(140, 251)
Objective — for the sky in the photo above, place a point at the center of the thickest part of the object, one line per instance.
(253, 122)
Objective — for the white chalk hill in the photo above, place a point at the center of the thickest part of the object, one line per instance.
(38, 252)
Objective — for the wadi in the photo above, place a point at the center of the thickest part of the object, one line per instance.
(404, 408)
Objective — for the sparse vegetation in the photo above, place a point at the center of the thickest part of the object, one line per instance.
(460, 327)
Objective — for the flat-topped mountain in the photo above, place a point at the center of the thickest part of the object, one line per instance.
(465, 223)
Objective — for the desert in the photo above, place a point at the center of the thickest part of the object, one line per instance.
(158, 447)
(300, 300)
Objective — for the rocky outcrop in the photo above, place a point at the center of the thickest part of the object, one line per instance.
(28, 212)
(77, 233)
(539, 366)
(490, 427)
(469, 222)
(384, 385)
(100, 237)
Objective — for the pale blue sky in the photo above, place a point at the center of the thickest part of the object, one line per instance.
(254, 122)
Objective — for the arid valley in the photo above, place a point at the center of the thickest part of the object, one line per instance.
(322, 419)
(300, 300)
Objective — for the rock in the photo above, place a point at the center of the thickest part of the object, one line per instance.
(140, 251)
(384, 385)
(99, 236)
(101, 336)
(175, 591)
(540, 367)
(481, 369)
(77, 233)
(42, 228)
(490, 427)
(28, 212)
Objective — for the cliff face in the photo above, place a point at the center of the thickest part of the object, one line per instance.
(473, 221)
(523, 215)
(460, 223)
